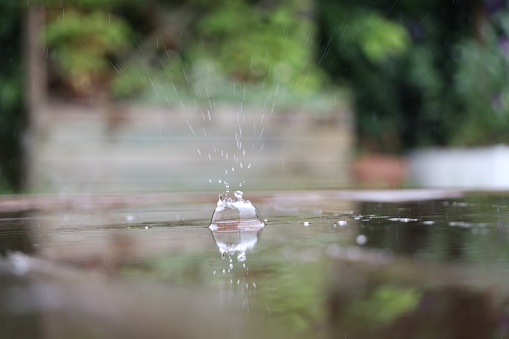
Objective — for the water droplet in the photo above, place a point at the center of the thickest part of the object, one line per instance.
(238, 195)
(361, 239)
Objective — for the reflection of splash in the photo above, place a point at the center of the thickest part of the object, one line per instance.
(236, 226)
(236, 236)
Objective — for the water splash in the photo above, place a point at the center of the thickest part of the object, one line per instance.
(236, 226)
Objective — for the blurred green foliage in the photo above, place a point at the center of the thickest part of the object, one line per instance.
(189, 50)
(437, 76)
(385, 304)
(84, 41)
(12, 106)
(418, 71)
(253, 44)
(482, 85)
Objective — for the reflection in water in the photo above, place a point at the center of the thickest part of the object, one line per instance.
(405, 300)
(18, 314)
(236, 226)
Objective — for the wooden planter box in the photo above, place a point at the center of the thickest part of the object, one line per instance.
(138, 149)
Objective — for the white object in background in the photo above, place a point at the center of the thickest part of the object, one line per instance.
(470, 168)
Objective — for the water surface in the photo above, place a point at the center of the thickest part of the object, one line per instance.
(322, 267)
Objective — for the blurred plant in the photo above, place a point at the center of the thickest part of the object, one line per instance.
(362, 49)
(438, 85)
(253, 44)
(84, 41)
(482, 85)
(258, 52)
(171, 51)
(12, 107)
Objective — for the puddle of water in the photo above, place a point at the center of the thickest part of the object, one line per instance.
(406, 269)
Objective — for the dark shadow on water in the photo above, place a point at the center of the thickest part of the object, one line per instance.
(15, 233)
